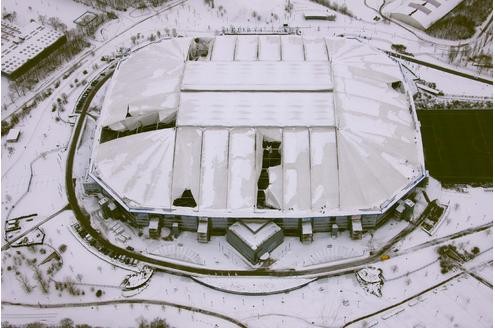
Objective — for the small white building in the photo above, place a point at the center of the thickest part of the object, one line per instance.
(319, 15)
(13, 135)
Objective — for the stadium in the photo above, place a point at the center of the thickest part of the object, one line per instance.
(280, 128)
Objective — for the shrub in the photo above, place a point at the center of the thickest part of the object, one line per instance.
(62, 248)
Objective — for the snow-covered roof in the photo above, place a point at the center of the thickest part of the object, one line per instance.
(420, 13)
(147, 82)
(246, 48)
(224, 48)
(296, 168)
(265, 109)
(292, 48)
(13, 135)
(23, 44)
(214, 165)
(257, 76)
(138, 168)
(353, 148)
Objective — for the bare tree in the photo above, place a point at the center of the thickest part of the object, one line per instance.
(24, 280)
(43, 283)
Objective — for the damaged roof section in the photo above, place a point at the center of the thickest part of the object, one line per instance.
(138, 168)
(146, 86)
(266, 126)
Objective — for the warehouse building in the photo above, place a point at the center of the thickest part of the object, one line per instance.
(23, 46)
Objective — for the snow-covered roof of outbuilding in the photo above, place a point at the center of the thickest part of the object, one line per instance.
(420, 13)
(341, 141)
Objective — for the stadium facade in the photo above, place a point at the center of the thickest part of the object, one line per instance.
(271, 127)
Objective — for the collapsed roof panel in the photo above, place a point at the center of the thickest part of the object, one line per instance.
(138, 168)
(146, 82)
(187, 161)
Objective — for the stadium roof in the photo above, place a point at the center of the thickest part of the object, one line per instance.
(344, 125)
(420, 13)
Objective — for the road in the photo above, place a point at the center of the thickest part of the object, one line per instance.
(126, 302)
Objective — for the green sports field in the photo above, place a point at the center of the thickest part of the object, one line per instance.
(458, 145)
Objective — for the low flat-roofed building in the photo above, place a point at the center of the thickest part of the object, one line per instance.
(319, 15)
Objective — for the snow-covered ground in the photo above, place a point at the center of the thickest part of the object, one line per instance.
(66, 11)
(452, 304)
(114, 315)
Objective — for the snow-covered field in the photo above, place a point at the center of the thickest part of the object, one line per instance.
(452, 304)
